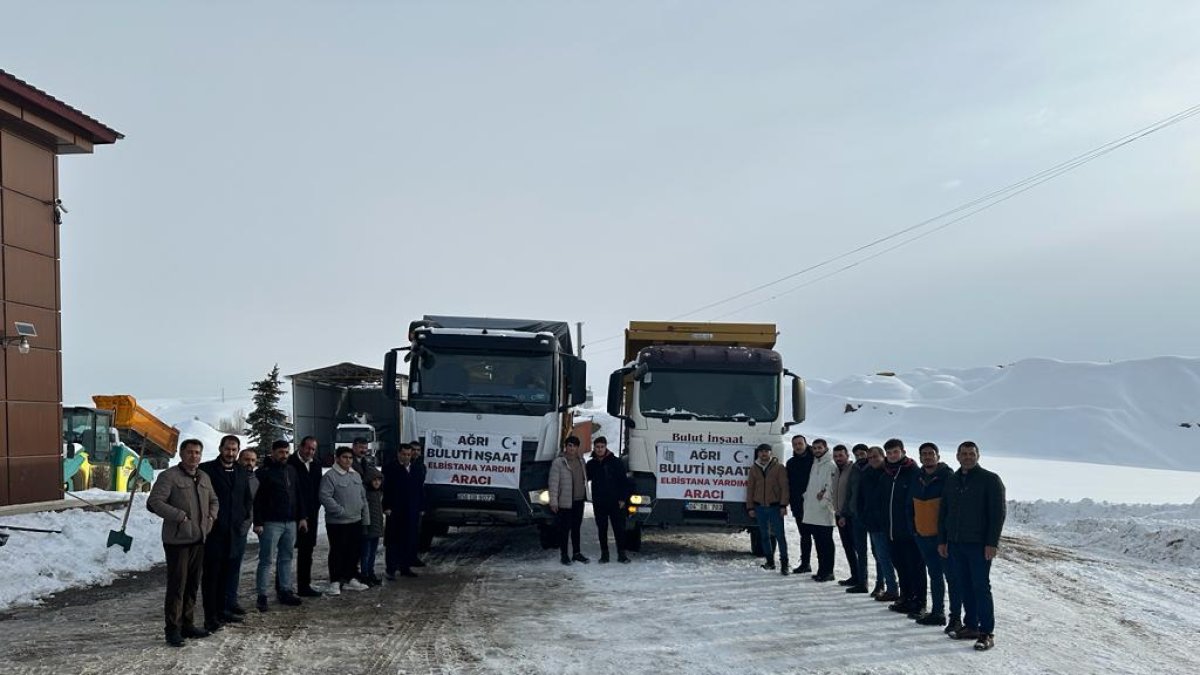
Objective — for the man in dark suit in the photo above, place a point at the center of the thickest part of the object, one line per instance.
(220, 562)
(403, 501)
(310, 485)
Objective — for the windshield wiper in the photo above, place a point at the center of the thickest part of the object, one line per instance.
(506, 398)
(443, 397)
(670, 415)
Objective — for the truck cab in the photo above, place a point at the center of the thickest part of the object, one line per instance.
(696, 399)
(490, 400)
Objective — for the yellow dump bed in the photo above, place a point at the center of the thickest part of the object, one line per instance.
(642, 334)
(127, 414)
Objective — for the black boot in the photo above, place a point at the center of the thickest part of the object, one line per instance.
(769, 565)
(783, 566)
(174, 638)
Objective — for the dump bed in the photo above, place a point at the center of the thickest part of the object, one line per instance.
(642, 334)
(129, 415)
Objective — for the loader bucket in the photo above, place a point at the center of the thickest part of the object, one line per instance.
(119, 538)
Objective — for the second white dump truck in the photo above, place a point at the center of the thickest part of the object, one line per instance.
(696, 399)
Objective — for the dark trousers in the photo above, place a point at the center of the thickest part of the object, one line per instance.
(973, 573)
(614, 515)
(218, 567)
(569, 522)
(822, 537)
(236, 555)
(806, 540)
(940, 577)
(345, 547)
(910, 570)
(305, 543)
(846, 534)
(184, 562)
(400, 540)
(370, 547)
(860, 553)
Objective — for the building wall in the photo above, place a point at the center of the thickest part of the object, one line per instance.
(30, 384)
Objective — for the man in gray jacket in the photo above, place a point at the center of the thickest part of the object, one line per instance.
(346, 514)
(183, 497)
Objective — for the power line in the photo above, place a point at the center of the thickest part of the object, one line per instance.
(982, 203)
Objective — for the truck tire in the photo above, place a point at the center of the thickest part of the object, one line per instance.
(548, 536)
(633, 538)
(426, 535)
(756, 545)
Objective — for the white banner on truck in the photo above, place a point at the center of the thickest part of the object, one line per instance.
(458, 458)
(701, 472)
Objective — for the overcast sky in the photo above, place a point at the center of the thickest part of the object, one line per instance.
(298, 181)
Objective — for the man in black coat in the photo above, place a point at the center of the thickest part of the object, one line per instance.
(611, 489)
(896, 493)
(970, 520)
(799, 467)
(310, 485)
(280, 513)
(220, 560)
(403, 502)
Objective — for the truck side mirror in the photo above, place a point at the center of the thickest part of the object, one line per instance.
(576, 374)
(798, 400)
(616, 392)
(389, 374)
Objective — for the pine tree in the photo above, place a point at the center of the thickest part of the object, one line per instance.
(266, 421)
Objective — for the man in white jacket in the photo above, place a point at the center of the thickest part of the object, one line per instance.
(819, 510)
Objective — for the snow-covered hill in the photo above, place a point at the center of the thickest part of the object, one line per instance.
(1143, 413)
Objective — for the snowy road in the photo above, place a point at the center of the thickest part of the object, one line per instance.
(491, 601)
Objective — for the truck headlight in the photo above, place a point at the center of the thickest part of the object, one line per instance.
(540, 497)
(638, 500)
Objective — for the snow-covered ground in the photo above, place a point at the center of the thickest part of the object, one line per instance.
(39, 565)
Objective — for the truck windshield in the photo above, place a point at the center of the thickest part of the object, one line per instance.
(709, 395)
(494, 376)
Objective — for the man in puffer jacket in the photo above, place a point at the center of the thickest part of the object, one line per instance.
(767, 497)
(928, 485)
(568, 492)
(346, 513)
(818, 519)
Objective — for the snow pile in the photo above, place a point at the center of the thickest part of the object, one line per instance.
(1150, 533)
(210, 437)
(39, 565)
(1135, 413)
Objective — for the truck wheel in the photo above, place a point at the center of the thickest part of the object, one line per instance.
(425, 538)
(548, 536)
(633, 538)
(756, 545)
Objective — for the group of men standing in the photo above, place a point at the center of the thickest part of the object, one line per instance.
(923, 522)
(209, 508)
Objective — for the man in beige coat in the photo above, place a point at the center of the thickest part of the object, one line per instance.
(767, 503)
(184, 498)
(568, 491)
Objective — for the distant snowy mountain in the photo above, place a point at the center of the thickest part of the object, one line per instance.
(1135, 413)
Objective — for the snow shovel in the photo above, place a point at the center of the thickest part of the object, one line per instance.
(119, 537)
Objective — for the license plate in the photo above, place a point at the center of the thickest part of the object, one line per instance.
(476, 497)
(704, 506)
